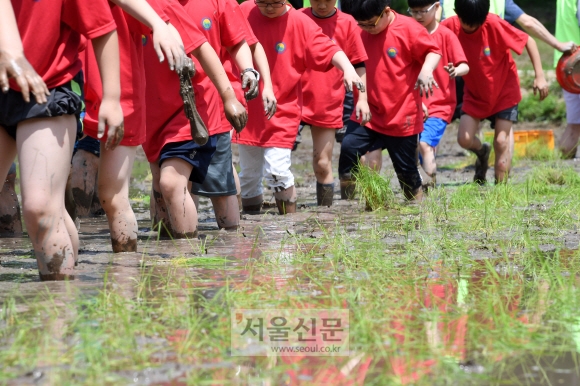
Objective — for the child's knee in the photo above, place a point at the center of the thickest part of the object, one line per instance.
(171, 182)
(322, 164)
(501, 142)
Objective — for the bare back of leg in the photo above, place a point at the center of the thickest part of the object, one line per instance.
(113, 188)
(180, 206)
(44, 152)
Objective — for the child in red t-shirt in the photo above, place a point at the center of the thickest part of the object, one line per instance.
(323, 92)
(116, 162)
(402, 58)
(175, 159)
(492, 87)
(440, 105)
(293, 43)
(43, 135)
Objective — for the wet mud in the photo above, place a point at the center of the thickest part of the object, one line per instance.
(286, 256)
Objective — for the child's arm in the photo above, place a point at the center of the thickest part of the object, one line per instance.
(106, 49)
(211, 64)
(425, 82)
(270, 102)
(242, 56)
(540, 84)
(351, 78)
(163, 39)
(13, 63)
(362, 106)
(461, 70)
(536, 29)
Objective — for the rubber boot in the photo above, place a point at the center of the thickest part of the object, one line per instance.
(324, 193)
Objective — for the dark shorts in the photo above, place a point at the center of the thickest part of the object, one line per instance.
(89, 144)
(220, 180)
(509, 114)
(197, 156)
(63, 100)
(403, 152)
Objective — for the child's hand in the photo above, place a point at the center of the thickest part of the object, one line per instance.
(165, 41)
(236, 114)
(541, 86)
(425, 83)
(566, 47)
(270, 102)
(111, 114)
(425, 112)
(451, 70)
(17, 67)
(363, 111)
(351, 79)
(250, 81)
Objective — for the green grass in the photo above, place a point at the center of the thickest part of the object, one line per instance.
(474, 276)
(373, 188)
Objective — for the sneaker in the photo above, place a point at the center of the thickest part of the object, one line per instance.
(482, 164)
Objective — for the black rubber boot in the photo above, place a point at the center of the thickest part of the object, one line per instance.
(324, 193)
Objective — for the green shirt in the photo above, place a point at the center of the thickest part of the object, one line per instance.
(567, 29)
(496, 7)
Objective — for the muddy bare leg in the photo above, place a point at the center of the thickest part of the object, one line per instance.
(10, 219)
(44, 151)
(503, 151)
(568, 144)
(227, 212)
(286, 200)
(113, 188)
(180, 206)
(85, 168)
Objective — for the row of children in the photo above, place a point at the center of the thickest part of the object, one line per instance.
(403, 98)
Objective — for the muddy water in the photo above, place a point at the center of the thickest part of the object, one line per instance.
(263, 239)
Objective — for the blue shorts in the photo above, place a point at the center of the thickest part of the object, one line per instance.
(433, 131)
(197, 156)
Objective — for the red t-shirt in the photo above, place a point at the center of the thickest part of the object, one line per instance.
(51, 34)
(293, 43)
(232, 70)
(323, 92)
(132, 35)
(442, 103)
(216, 22)
(396, 56)
(492, 84)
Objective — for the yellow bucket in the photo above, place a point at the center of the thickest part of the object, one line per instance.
(524, 138)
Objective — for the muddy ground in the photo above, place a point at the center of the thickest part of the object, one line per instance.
(257, 235)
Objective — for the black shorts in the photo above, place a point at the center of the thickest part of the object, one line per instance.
(88, 144)
(509, 114)
(403, 151)
(220, 180)
(197, 156)
(63, 100)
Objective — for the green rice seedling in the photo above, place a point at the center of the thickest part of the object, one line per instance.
(373, 188)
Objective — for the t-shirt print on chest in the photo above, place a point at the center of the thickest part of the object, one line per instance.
(392, 52)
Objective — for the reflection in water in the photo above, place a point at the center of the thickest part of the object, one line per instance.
(161, 315)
